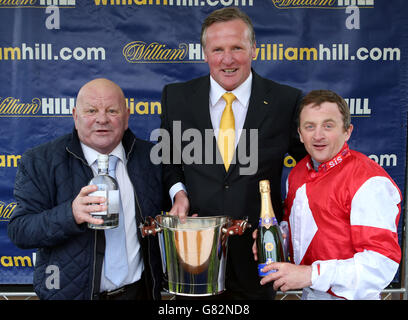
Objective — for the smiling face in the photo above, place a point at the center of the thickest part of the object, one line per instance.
(101, 115)
(321, 129)
(229, 52)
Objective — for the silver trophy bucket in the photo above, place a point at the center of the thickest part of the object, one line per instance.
(194, 252)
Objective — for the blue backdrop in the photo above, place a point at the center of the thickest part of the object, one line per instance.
(48, 53)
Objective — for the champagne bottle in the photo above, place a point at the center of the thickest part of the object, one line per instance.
(269, 241)
(108, 188)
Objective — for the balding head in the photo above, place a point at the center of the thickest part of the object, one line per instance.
(101, 115)
(100, 84)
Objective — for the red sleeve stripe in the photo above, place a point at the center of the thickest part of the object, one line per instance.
(383, 241)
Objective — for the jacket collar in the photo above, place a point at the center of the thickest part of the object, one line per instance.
(335, 161)
(74, 145)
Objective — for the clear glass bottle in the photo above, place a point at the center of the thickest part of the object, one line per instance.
(269, 240)
(108, 188)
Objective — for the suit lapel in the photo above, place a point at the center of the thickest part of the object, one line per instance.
(260, 103)
(199, 102)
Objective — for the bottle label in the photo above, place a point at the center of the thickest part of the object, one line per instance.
(262, 265)
(267, 222)
(99, 193)
(113, 201)
(269, 246)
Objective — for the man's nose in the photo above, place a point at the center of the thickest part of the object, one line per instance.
(227, 57)
(318, 133)
(102, 117)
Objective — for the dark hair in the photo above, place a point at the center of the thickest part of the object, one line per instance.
(317, 97)
(224, 15)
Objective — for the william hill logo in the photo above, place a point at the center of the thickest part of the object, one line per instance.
(6, 210)
(13, 106)
(142, 52)
(36, 3)
(339, 4)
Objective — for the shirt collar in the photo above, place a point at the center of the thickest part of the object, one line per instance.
(91, 155)
(336, 160)
(242, 93)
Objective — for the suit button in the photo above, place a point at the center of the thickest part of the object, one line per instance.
(226, 186)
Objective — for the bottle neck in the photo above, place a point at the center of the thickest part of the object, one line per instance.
(103, 164)
(267, 215)
(102, 171)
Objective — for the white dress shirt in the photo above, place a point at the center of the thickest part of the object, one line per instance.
(239, 105)
(134, 254)
(216, 108)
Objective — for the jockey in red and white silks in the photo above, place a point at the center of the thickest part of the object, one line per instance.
(343, 221)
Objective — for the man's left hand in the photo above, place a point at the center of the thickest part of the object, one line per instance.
(288, 276)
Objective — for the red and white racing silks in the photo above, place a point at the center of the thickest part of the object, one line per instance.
(343, 221)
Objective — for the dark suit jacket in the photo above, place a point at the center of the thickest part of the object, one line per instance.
(213, 191)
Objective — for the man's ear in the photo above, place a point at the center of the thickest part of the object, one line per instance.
(348, 132)
(74, 115)
(300, 135)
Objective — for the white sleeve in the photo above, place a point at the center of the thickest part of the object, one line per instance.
(373, 219)
(176, 188)
(361, 277)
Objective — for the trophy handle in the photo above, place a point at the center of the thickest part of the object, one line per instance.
(237, 227)
(149, 227)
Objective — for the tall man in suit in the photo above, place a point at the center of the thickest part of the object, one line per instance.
(263, 131)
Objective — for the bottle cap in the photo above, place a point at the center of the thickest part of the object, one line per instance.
(264, 186)
(103, 161)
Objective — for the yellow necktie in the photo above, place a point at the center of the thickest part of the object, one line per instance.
(226, 135)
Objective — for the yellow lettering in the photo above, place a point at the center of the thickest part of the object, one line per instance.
(6, 211)
(21, 261)
(291, 54)
(127, 2)
(155, 108)
(12, 105)
(9, 160)
(14, 159)
(303, 3)
(139, 51)
(16, 261)
(98, 2)
(145, 110)
(13, 52)
(289, 162)
(309, 52)
(143, 107)
(6, 261)
(16, 2)
(256, 53)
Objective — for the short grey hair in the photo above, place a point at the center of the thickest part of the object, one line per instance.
(224, 15)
